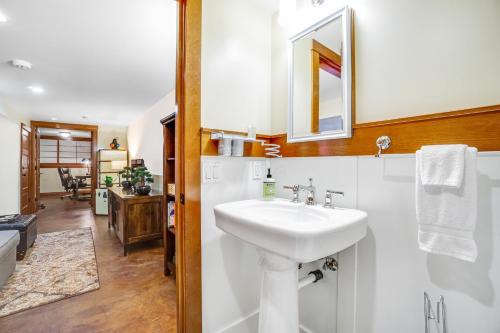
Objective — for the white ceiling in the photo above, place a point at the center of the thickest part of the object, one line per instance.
(109, 60)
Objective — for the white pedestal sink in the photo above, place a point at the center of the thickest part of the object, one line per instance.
(286, 234)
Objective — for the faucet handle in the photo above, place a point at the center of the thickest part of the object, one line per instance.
(328, 198)
(295, 189)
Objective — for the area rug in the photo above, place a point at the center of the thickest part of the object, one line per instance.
(60, 265)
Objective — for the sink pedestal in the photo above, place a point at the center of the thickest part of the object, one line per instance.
(279, 297)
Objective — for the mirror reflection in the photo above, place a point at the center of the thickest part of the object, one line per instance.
(320, 87)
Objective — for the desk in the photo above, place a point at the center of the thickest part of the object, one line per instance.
(135, 218)
(78, 179)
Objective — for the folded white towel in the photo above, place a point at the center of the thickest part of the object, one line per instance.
(443, 165)
(447, 215)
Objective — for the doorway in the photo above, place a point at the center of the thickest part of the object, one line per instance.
(68, 146)
(28, 202)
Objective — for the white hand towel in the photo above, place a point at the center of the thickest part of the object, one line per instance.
(447, 215)
(443, 165)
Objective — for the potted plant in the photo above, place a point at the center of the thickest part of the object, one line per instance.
(108, 180)
(126, 174)
(141, 177)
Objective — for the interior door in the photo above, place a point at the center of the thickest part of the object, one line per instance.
(36, 168)
(26, 190)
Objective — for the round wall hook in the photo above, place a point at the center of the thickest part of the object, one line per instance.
(383, 143)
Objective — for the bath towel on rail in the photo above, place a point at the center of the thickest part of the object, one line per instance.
(447, 215)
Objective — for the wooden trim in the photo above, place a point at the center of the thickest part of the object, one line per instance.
(326, 53)
(76, 127)
(55, 137)
(209, 146)
(187, 160)
(328, 59)
(93, 129)
(52, 194)
(28, 205)
(315, 92)
(476, 127)
(62, 165)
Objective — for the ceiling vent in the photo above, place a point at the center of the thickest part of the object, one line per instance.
(21, 64)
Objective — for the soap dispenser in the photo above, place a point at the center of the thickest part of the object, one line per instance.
(269, 187)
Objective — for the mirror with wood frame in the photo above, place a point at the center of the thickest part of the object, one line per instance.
(320, 87)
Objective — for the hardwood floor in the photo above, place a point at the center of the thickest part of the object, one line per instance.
(134, 296)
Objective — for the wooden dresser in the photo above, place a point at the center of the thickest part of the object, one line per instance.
(135, 218)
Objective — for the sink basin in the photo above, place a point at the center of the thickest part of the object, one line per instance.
(293, 230)
(287, 233)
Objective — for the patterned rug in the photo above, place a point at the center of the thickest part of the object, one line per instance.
(60, 265)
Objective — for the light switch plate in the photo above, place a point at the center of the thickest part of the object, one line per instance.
(257, 170)
(216, 171)
(211, 171)
(207, 172)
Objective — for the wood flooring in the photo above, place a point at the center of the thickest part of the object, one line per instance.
(134, 296)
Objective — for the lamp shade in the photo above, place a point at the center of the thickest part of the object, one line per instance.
(118, 165)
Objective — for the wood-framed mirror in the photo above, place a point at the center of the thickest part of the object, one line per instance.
(320, 80)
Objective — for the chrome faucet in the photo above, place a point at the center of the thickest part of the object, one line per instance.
(311, 193)
(295, 189)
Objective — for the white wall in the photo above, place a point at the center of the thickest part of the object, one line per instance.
(414, 57)
(230, 272)
(10, 167)
(145, 134)
(231, 275)
(392, 272)
(10, 149)
(106, 134)
(236, 64)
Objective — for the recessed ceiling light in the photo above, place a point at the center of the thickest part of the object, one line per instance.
(3, 18)
(37, 90)
(65, 134)
(53, 118)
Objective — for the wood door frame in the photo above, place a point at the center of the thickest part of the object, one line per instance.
(93, 129)
(187, 178)
(31, 180)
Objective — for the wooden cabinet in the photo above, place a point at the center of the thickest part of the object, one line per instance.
(169, 167)
(135, 218)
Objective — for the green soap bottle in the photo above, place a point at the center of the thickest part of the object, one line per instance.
(269, 187)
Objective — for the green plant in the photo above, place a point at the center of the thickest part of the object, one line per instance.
(108, 180)
(141, 175)
(126, 173)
